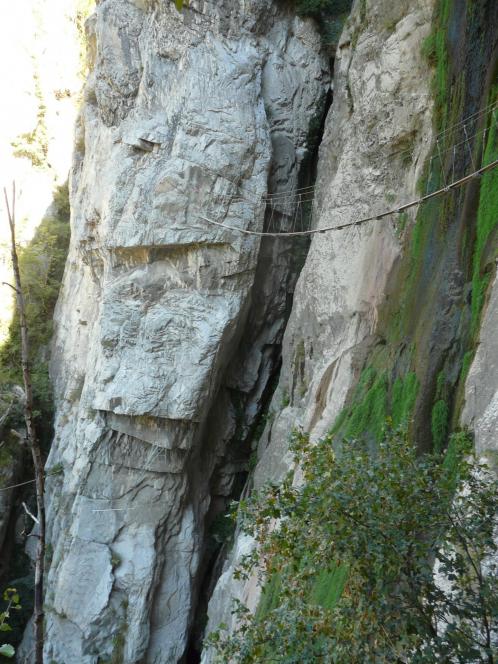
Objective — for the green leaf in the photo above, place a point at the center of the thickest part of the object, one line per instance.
(5, 628)
(179, 5)
(7, 651)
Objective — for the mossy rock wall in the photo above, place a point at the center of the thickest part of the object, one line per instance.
(429, 325)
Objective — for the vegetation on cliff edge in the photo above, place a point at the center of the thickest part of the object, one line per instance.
(349, 566)
(41, 264)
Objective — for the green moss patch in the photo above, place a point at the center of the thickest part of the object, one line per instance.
(487, 222)
(270, 596)
(368, 412)
(375, 400)
(328, 587)
(404, 395)
(459, 445)
(439, 424)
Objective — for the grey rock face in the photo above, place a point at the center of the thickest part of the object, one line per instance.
(158, 323)
(480, 413)
(382, 105)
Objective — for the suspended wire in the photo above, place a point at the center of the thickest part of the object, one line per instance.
(15, 486)
(282, 202)
(305, 194)
(471, 118)
(484, 111)
(285, 198)
(359, 222)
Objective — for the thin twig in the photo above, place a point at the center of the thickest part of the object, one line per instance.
(29, 513)
(5, 283)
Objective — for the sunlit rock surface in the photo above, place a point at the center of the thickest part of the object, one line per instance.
(159, 322)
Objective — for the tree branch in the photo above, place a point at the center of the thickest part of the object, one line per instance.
(5, 283)
(29, 513)
(31, 436)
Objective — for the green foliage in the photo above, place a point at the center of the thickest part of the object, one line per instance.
(350, 563)
(83, 10)
(487, 222)
(33, 145)
(434, 49)
(400, 224)
(460, 445)
(7, 650)
(439, 424)
(440, 382)
(466, 362)
(12, 600)
(115, 560)
(285, 399)
(253, 461)
(429, 48)
(430, 213)
(368, 413)
(42, 265)
(403, 398)
(24, 587)
(270, 596)
(118, 646)
(221, 529)
(370, 408)
(328, 587)
(56, 469)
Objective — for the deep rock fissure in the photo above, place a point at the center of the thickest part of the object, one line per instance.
(168, 337)
(213, 560)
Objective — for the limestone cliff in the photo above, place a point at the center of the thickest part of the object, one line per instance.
(180, 346)
(392, 303)
(382, 104)
(166, 329)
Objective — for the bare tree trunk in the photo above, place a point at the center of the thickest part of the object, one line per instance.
(32, 439)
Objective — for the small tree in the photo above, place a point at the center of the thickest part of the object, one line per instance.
(349, 571)
(31, 436)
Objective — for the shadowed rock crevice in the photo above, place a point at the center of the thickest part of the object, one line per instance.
(253, 375)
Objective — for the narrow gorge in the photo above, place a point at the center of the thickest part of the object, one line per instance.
(187, 356)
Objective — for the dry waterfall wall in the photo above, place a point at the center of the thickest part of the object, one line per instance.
(158, 332)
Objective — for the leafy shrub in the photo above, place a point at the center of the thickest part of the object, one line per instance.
(11, 603)
(33, 145)
(349, 570)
